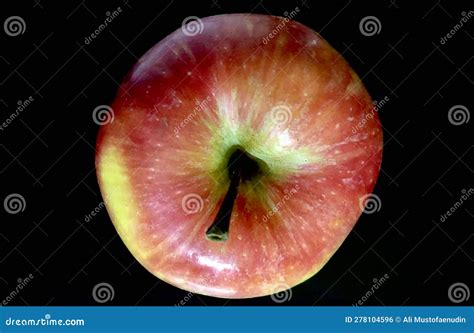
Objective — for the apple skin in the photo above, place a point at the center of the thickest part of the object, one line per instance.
(154, 155)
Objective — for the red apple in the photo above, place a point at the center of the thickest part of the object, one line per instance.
(238, 155)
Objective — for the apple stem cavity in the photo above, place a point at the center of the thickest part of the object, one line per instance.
(241, 167)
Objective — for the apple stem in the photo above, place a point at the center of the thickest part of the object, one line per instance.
(220, 233)
(241, 167)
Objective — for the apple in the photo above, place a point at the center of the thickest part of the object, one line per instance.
(232, 166)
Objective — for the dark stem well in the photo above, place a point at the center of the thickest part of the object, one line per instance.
(241, 167)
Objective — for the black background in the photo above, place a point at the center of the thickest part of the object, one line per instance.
(47, 153)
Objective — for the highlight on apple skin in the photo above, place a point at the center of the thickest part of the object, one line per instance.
(238, 156)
